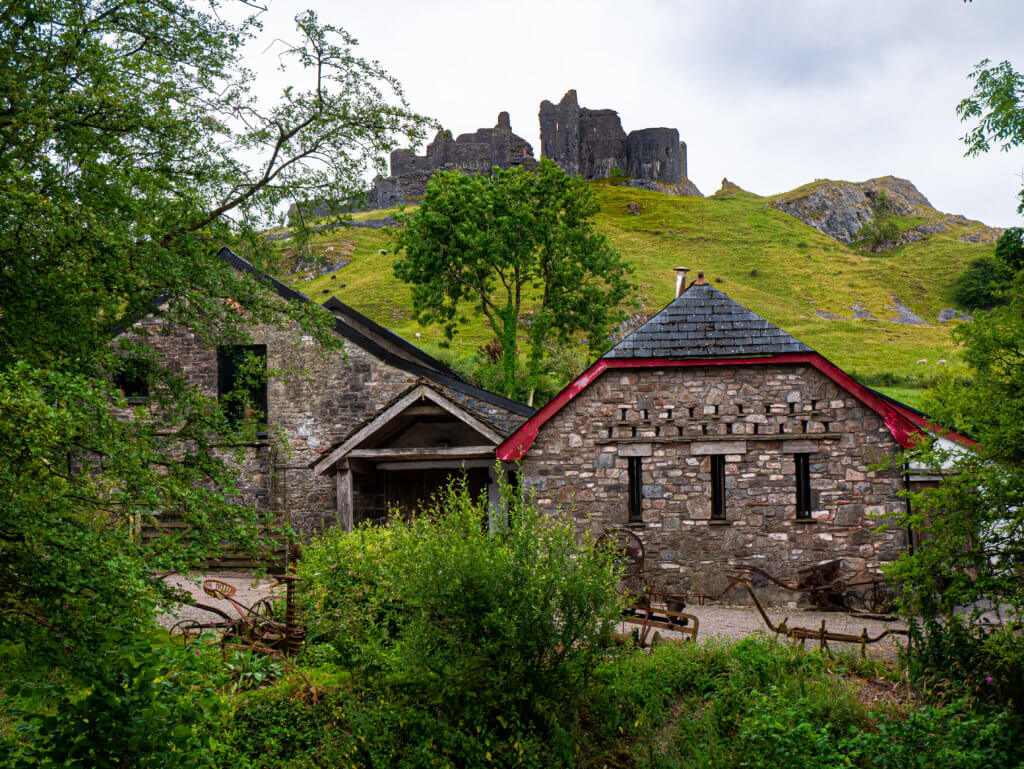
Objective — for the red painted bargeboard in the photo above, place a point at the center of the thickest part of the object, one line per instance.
(905, 425)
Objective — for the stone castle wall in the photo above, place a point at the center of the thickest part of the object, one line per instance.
(472, 153)
(590, 143)
(757, 417)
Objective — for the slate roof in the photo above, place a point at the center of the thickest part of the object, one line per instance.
(702, 322)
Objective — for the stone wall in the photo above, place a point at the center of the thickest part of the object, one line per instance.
(757, 417)
(313, 410)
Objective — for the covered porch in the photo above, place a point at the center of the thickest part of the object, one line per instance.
(406, 453)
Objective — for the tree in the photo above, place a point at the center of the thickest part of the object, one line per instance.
(997, 104)
(131, 150)
(987, 281)
(519, 248)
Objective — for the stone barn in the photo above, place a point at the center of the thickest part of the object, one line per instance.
(721, 440)
(381, 424)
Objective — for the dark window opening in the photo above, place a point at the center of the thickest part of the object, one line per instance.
(728, 428)
(757, 429)
(692, 409)
(657, 430)
(792, 408)
(704, 429)
(133, 382)
(717, 487)
(668, 414)
(634, 431)
(740, 407)
(636, 489)
(803, 426)
(611, 432)
(803, 485)
(623, 413)
(644, 413)
(826, 424)
(242, 383)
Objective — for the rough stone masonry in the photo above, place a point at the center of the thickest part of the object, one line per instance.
(758, 418)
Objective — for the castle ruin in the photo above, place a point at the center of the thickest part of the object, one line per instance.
(589, 143)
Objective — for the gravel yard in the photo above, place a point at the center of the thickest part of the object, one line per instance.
(731, 622)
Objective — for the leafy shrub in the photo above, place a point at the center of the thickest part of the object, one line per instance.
(878, 234)
(148, 707)
(956, 658)
(485, 624)
(982, 285)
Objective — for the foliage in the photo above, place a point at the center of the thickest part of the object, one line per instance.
(879, 233)
(967, 570)
(251, 670)
(762, 704)
(507, 243)
(131, 149)
(981, 285)
(146, 706)
(482, 623)
(987, 281)
(996, 105)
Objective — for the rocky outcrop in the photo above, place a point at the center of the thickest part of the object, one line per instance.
(686, 187)
(591, 143)
(840, 209)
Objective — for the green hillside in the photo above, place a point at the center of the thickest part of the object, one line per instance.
(769, 261)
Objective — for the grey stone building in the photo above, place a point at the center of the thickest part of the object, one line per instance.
(721, 440)
(381, 424)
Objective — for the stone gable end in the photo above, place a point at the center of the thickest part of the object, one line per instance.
(757, 417)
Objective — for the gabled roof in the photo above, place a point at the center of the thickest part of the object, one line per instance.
(489, 436)
(704, 327)
(702, 322)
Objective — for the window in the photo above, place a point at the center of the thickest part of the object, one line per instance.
(803, 485)
(636, 490)
(717, 487)
(132, 381)
(242, 382)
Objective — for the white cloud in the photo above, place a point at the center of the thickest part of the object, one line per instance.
(771, 94)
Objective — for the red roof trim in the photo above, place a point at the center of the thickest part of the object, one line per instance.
(906, 426)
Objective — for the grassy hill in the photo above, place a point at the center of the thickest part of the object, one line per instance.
(769, 261)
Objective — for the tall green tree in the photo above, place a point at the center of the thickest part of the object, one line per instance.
(520, 248)
(970, 564)
(131, 150)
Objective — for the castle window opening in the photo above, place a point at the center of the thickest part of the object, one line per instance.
(242, 382)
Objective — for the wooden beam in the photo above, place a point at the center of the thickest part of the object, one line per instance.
(436, 464)
(422, 453)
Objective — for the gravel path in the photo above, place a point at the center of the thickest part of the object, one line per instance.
(248, 590)
(732, 622)
(735, 622)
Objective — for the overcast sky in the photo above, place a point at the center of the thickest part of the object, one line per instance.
(769, 93)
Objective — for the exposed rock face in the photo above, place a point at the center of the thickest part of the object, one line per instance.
(840, 209)
(590, 143)
(947, 314)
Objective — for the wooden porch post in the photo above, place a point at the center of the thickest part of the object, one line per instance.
(344, 481)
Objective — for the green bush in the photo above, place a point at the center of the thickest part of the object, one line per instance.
(485, 619)
(878, 234)
(982, 285)
(149, 706)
